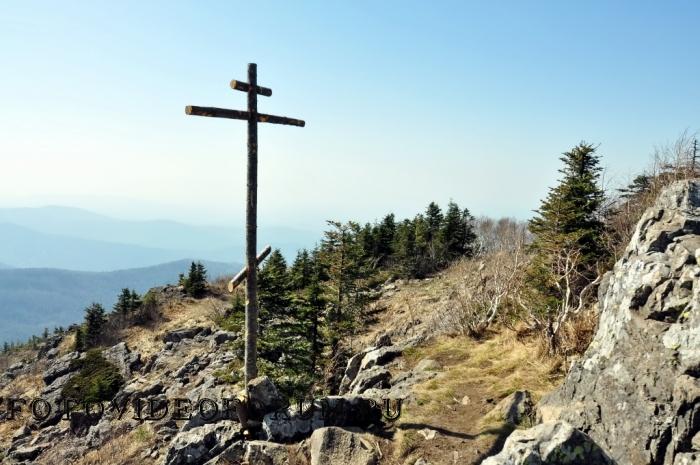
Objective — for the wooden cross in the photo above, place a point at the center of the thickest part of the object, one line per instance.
(253, 117)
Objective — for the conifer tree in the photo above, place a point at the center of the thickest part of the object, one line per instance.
(79, 344)
(5, 347)
(300, 271)
(406, 250)
(568, 232)
(195, 283)
(457, 234)
(123, 305)
(95, 320)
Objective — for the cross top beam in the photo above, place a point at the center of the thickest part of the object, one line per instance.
(253, 118)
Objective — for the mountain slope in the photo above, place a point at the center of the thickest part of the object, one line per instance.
(25, 248)
(37, 298)
(209, 242)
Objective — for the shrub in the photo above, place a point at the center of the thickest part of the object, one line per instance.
(97, 380)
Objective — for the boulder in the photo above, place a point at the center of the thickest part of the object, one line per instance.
(181, 334)
(266, 453)
(687, 458)
(515, 408)
(123, 358)
(376, 377)
(428, 365)
(552, 443)
(60, 367)
(28, 453)
(344, 411)
(636, 390)
(221, 337)
(337, 446)
(202, 444)
(264, 397)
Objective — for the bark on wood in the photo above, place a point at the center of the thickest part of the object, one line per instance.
(251, 308)
(238, 279)
(245, 87)
(243, 115)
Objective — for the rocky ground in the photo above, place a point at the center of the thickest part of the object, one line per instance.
(634, 398)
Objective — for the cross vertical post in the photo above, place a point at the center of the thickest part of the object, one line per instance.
(251, 221)
(253, 117)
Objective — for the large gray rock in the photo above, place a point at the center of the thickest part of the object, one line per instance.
(347, 411)
(266, 453)
(60, 367)
(515, 409)
(123, 358)
(553, 443)
(264, 397)
(202, 444)
(636, 390)
(337, 446)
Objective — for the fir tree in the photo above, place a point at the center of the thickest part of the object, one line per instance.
(95, 320)
(79, 344)
(457, 233)
(196, 282)
(567, 235)
(123, 306)
(300, 271)
(5, 347)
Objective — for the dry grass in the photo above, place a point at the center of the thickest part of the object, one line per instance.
(484, 371)
(126, 449)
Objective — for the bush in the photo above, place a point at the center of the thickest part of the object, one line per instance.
(97, 380)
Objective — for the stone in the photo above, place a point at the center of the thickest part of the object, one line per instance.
(344, 411)
(515, 408)
(221, 337)
(123, 358)
(688, 458)
(636, 390)
(266, 453)
(28, 453)
(351, 370)
(376, 377)
(264, 397)
(60, 367)
(179, 335)
(428, 365)
(337, 446)
(552, 443)
(232, 455)
(202, 444)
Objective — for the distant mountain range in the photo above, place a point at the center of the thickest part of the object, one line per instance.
(36, 298)
(76, 239)
(38, 247)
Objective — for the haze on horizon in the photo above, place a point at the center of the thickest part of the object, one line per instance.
(405, 103)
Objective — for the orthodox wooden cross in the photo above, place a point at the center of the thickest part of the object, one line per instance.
(253, 117)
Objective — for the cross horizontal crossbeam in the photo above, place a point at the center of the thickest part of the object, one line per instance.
(244, 115)
(245, 87)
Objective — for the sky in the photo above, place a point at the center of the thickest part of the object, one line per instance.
(406, 102)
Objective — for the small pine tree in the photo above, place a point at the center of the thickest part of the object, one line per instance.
(45, 334)
(95, 320)
(79, 344)
(123, 307)
(5, 347)
(196, 282)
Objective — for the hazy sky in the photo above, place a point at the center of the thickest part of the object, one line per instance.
(405, 102)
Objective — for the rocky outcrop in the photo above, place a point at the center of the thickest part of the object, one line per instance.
(636, 391)
(553, 443)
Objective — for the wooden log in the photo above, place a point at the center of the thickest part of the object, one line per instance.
(250, 356)
(238, 279)
(243, 115)
(244, 87)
